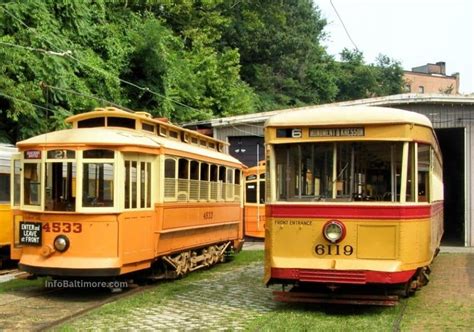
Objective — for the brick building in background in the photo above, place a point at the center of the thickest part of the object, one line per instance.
(431, 78)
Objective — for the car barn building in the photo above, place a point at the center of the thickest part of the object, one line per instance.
(452, 117)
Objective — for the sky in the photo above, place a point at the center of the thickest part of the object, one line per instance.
(414, 32)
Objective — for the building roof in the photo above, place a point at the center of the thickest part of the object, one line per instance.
(407, 98)
(353, 115)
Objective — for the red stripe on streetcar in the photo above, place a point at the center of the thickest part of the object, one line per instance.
(342, 277)
(353, 211)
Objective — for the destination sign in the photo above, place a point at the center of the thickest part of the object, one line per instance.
(32, 154)
(336, 132)
(30, 233)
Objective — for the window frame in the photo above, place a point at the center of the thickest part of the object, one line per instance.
(61, 160)
(399, 157)
(80, 171)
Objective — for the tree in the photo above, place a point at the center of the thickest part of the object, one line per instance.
(65, 57)
(357, 80)
(186, 60)
(280, 51)
(389, 76)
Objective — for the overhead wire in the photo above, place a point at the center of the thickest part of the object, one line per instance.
(40, 50)
(25, 101)
(85, 95)
(343, 25)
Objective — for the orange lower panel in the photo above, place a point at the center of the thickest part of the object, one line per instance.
(254, 217)
(113, 244)
(185, 239)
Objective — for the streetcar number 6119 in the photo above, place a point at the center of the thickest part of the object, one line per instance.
(333, 249)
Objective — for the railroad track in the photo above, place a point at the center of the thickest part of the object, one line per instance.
(3, 272)
(40, 308)
(7, 275)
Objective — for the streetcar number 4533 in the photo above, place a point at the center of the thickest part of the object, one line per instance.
(65, 227)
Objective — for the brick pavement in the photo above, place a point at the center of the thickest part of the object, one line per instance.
(223, 301)
(447, 303)
(229, 300)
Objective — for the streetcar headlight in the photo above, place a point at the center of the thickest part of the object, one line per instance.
(61, 243)
(334, 231)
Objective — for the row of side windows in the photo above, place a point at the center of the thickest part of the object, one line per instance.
(192, 180)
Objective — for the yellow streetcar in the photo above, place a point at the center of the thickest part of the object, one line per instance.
(355, 203)
(122, 192)
(6, 229)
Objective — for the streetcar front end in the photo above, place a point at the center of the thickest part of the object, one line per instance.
(355, 198)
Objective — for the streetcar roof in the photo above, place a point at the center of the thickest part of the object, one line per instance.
(115, 137)
(347, 115)
(102, 112)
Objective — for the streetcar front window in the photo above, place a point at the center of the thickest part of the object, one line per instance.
(346, 171)
(98, 185)
(32, 184)
(251, 192)
(98, 179)
(60, 193)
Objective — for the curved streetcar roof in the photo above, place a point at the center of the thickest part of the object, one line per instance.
(348, 115)
(115, 137)
(141, 116)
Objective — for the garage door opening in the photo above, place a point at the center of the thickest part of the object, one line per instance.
(452, 147)
(248, 149)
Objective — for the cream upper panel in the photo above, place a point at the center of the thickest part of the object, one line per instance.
(349, 115)
(118, 137)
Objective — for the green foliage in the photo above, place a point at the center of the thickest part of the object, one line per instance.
(186, 60)
(281, 56)
(357, 80)
(64, 57)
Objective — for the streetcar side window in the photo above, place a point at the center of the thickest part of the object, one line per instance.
(170, 179)
(214, 184)
(4, 179)
(204, 182)
(411, 168)
(221, 184)
(237, 176)
(4, 188)
(134, 183)
(183, 180)
(120, 122)
(424, 153)
(145, 185)
(91, 123)
(127, 184)
(194, 180)
(229, 186)
(261, 198)
(16, 182)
